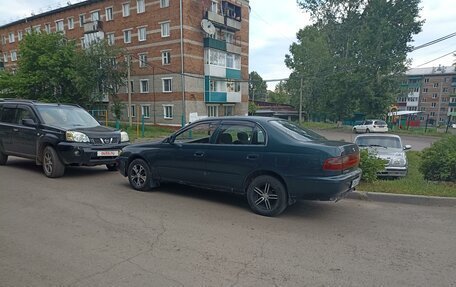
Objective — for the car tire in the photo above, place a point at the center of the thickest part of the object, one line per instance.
(355, 131)
(52, 165)
(112, 166)
(139, 175)
(3, 158)
(367, 131)
(267, 196)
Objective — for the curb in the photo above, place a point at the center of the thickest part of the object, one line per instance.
(403, 198)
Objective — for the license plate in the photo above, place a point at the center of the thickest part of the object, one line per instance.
(355, 182)
(108, 153)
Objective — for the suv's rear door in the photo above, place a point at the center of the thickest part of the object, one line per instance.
(7, 125)
(24, 137)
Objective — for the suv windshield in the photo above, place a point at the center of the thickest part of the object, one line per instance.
(66, 116)
(296, 131)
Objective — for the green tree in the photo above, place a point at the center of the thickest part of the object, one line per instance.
(258, 88)
(352, 57)
(280, 94)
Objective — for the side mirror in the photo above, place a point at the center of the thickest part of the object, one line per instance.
(407, 147)
(28, 123)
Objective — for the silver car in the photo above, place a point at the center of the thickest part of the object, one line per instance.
(389, 148)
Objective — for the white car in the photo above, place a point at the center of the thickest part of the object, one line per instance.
(371, 126)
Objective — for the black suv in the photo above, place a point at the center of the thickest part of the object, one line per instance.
(56, 135)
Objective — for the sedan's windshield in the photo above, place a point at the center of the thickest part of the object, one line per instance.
(66, 116)
(378, 141)
(296, 131)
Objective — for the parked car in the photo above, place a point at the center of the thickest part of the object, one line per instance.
(55, 136)
(272, 161)
(371, 126)
(389, 148)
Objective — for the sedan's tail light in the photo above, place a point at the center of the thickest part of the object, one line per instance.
(341, 162)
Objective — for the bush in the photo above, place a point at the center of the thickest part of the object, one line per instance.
(438, 162)
(370, 164)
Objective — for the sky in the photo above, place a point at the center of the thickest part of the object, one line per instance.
(273, 28)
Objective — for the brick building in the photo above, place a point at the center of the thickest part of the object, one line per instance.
(187, 56)
(432, 91)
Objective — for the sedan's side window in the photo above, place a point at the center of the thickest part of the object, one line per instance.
(200, 133)
(368, 122)
(235, 134)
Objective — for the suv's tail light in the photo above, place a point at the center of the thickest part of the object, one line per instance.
(341, 162)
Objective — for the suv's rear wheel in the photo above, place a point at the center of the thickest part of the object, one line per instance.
(3, 158)
(267, 196)
(139, 175)
(52, 165)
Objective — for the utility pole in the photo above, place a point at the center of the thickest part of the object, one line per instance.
(129, 89)
(300, 103)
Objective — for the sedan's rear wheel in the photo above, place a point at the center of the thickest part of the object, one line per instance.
(52, 165)
(355, 131)
(368, 131)
(267, 196)
(3, 158)
(139, 175)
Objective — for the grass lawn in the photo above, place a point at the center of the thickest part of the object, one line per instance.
(413, 183)
(150, 132)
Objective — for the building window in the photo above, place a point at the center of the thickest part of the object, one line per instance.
(20, 35)
(95, 15)
(37, 28)
(133, 111)
(436, 85)
(167, 85)
(166, 57)
(111, 38)
(13, 56)
(3, 40)
(423, 109)
(145, 110)
(132, 86)
(168, 111)
(70, 23)
(140, 6)
(127, 36)
(426, 80)
(144, 86)
(432, 114)
(229, 110)
(28, 30)
(165, 29)
(444, 100)
(212, 111)
(5, 57)
(81, 20)
(164, 3)
(126, 9)
(214, 6)
(142, 60)
(108, 14)
(425, 90)
(445, 90)
(433, 105)
(11, 37)
(47, 28)
(59, 26)
(434, 96)
(142, 34)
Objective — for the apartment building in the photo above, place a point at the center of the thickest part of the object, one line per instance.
(188, 57)
(430, 91)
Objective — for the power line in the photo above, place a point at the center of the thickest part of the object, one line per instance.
(434, 41)
(436, 59)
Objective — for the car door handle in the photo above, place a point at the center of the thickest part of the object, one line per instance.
(252, 156)
(198, 154)
(15, 130)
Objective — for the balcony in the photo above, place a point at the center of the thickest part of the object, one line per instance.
(233, 24)
(92, 27)
(214, 43)
(215, 18)
(452, 104)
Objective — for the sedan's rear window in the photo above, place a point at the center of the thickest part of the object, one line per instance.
(296, 131)
(380, 123)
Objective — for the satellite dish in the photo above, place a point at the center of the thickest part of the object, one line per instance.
(208, 27)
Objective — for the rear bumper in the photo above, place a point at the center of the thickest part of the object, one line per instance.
(85, 154)
(393, 172)
(323, 188)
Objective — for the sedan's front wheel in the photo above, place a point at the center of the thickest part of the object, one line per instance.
(267, 196)
(139, 175)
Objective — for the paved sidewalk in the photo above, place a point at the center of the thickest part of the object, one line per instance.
(404, 198)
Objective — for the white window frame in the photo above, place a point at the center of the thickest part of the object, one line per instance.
(20, 35)
(70, 22)
(214, 6)
(47, 28)
(109, 13)
(433, 105)
(165, 28)
(111, 38)
(170, 85)
(81, 20)
(142, 34)
(435, 85)
(59, 25)
(143, 113)
(5, 57)
(166, 57)
(13, 56)
(28, 30)
(37, 28)
(211, 109)
(133, 111)
(140, 6)
(170, 115)
(11, 37)
(95, 12)
(126, 9)
(141, 87)
(3, 40)
(125, 33)
(164, 3)
(142, 60)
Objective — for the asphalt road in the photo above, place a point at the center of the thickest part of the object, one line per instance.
(90, 229)
(418, 143)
